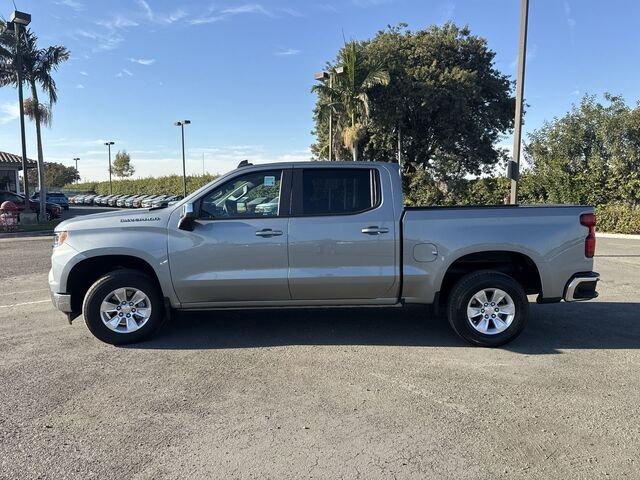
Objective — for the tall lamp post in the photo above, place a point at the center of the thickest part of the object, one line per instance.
(323, 77)
(76, 160)
(17, 20)
(181, 124)
(108, 144)
(513, 171)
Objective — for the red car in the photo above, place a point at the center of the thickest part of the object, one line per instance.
(53, 210)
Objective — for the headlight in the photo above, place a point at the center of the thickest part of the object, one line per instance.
(60, 238)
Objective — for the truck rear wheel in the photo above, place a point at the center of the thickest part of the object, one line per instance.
(488, 308)
(124, 306)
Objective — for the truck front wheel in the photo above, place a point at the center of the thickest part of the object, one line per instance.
(124, 306)
(488, 308)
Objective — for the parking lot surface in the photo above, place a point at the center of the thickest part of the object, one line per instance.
(345, 393)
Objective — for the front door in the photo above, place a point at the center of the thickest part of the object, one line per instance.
(342, 236)
(237, 250)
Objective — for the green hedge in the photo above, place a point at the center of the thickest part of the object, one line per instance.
(618, 219)
(170, 185)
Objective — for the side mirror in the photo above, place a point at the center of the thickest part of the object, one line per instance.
(188, 217)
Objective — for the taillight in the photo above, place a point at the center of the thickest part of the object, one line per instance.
(589, 221)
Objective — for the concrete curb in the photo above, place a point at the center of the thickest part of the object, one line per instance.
(623, 236)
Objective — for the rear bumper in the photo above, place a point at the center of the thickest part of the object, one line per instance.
(582, 286)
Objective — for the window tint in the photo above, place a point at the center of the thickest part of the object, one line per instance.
(327, 191)
(255, 194)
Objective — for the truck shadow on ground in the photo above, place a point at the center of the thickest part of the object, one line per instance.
(551, 328)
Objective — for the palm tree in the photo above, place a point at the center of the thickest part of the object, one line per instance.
(349, 94)
(38, 66)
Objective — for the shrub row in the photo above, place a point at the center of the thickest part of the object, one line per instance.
(169, 185)
(618, 219)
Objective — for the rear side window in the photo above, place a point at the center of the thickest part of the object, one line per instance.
(338, 191)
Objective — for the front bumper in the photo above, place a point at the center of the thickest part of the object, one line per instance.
(62, 301)
(582, 286)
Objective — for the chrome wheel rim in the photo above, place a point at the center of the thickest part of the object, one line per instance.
(125, 310)
(491, 311)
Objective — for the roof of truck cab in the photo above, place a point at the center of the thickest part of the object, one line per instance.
(322, 163)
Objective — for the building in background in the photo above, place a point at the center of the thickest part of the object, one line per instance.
(10, 165)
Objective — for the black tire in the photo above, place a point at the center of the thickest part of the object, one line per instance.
(463, 292)
(107, 284)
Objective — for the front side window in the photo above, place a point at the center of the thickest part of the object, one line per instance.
(255, 194)
(329, 191)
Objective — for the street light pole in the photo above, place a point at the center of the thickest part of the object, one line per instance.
(181, 124)
(321, 77)
(76, 160)
(108, 144)
(514, 170)
(18, 19)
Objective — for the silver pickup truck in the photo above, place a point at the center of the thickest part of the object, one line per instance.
(317, 234)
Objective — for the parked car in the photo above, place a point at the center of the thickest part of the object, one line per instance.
(121, 201)
(137, 202)
(129, 201)
(58, 198)
(105, 200)
(112, 201)
(52, 210)
(88, 199)
(147, 202)
(340, 236)
(166, 201)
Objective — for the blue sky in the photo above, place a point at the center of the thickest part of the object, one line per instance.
(241, 70)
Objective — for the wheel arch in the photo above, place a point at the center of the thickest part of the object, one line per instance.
(87, 271)
(516, 264)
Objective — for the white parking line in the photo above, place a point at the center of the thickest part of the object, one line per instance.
(24, 291)
(25, 303)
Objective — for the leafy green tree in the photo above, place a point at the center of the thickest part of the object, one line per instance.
(38, 65)
(56, 175)
(348, 93)
(444, 109)
(591, 155)
(121, 166)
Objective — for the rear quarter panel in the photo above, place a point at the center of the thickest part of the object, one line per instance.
(551, 236)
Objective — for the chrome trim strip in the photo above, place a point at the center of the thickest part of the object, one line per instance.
(573, 285)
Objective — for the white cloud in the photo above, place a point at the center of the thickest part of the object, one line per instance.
(143, 61)
(287, 52)
(118, 22)
(84, 74)
(9, 111)
(247, 8)
(124, 72)
(81, 86)
(370, 3)
(147, 9)
(571, 21)
(575, 92)
(74, 4)
(213, 15)
(104, 41)
(162, 18)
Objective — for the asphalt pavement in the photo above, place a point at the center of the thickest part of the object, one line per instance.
(347, 393)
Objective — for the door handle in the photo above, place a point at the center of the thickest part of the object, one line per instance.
(267, 232)
(373, 230)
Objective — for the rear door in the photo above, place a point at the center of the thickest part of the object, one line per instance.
(342, 236)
